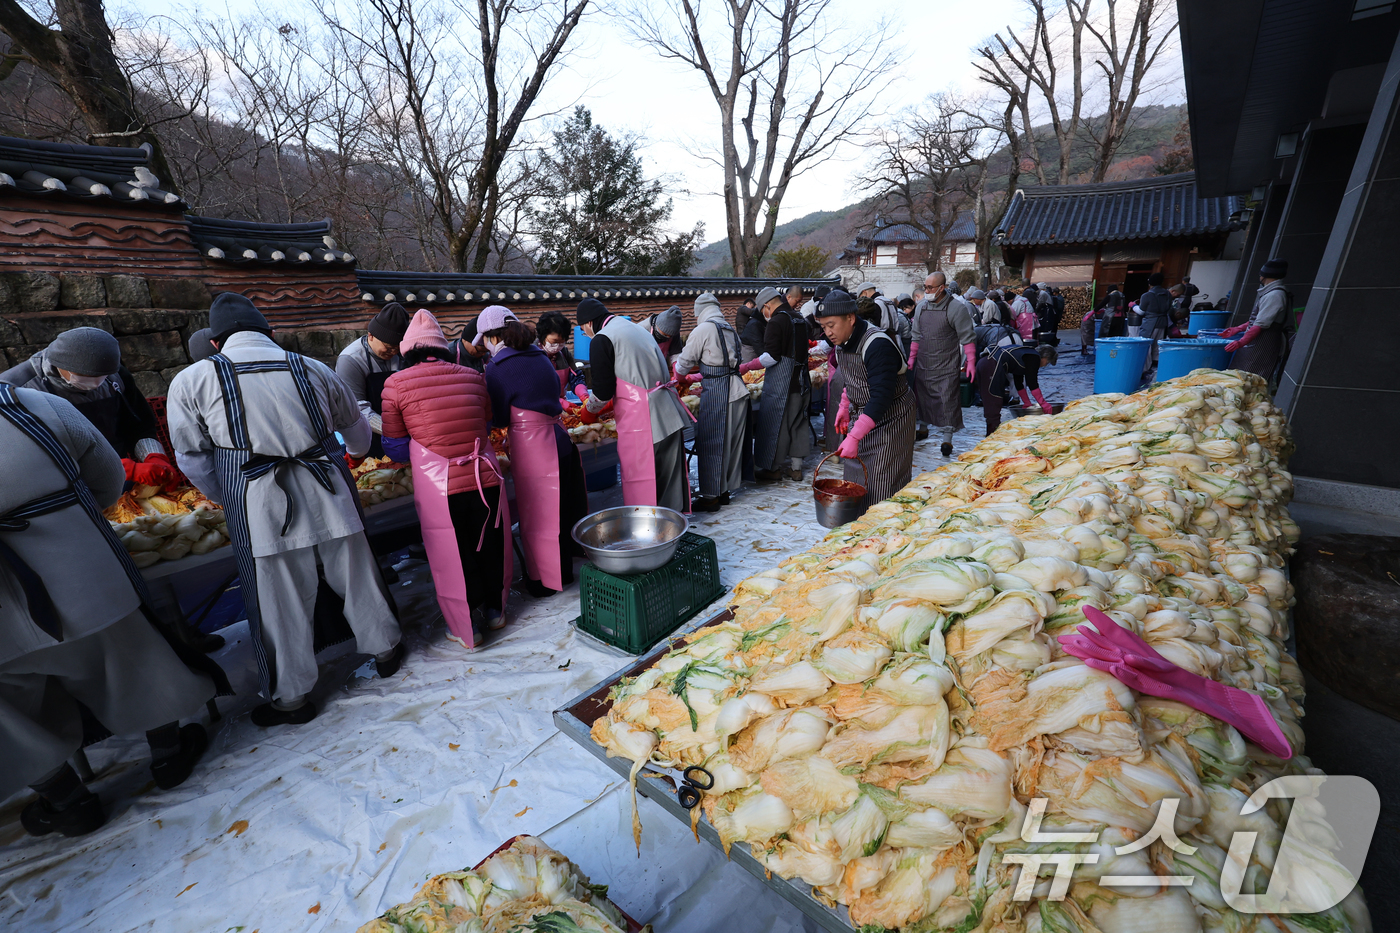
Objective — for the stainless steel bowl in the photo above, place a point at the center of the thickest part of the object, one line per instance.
(631, 538)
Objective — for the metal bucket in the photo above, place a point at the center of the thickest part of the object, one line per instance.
(838, 501)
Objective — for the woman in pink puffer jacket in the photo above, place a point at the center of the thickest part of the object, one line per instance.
(437, 415)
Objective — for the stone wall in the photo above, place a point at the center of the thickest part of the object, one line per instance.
(152, 319)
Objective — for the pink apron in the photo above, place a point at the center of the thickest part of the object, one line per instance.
(534, 463)
(636, 448)
(440, 538)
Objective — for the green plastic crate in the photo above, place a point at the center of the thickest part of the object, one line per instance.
(635, 611)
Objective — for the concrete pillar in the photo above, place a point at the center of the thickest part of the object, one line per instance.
(1339, 387)
(1262, 228)
(1323, 169)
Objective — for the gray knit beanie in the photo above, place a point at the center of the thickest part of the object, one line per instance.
(668, 322)
(199, 346)
(87, 351)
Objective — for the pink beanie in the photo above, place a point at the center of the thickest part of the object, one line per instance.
(423, 332)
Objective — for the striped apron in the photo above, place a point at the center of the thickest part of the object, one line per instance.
(78, 494)
(772, 406)
(237, 465)
(713, 430)
(888, 450)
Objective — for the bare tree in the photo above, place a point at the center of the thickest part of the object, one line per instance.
(443, 107)
(1074, 55)
(789, 90)
(80, 57)
(922, 169)
(1125, 68)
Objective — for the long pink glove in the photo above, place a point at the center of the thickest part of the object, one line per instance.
(1232, 331)
(843, 414)
(970, 352)
(850, 447)
(913, 353)
(693, 378)
(1120, 652)
(1025, 399)
(1244, 339)
(751, 365)
(1040, 400)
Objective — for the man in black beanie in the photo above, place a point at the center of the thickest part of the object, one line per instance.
(367, 364)
(629, 373)
(254, 429)
(1155, 306)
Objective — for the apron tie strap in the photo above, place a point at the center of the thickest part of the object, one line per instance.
(476, 459)
(36, 594)
(312, 458)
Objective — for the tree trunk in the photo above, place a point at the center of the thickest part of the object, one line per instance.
(81, 60)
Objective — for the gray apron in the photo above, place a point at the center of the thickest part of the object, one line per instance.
(237, 465)
(938, 369)
(77, 494)
(772, 404)
(888, 450)
(712, 429)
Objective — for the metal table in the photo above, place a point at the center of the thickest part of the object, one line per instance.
(576, 720)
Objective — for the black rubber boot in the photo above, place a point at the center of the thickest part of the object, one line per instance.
(269, 715)
(171, 770)
(64, 806)
(705, 504)
(947, 449)
(391, 667)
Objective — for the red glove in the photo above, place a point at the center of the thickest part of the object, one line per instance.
(590, 417)
(1244, 340)
(353, 462)
(693, 378)
(850, 447)
(130, 467)
(155, 470)
(843, 414)
(750, 366)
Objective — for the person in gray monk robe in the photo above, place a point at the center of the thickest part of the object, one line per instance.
(713, 349)
(944, 349)
(92, 644)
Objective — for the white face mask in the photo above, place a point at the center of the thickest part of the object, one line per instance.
(493, 346)
(552, 348)
(86, 383)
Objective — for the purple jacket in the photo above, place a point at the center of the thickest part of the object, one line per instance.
(525, 379)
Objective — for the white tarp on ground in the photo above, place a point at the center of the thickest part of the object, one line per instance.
(320, 827)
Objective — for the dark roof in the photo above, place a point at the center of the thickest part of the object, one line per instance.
(485, 288)
(245, 241)
(964, 228)
(1151, 208)
(67, 170)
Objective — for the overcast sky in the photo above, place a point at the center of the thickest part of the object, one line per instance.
(629, 87)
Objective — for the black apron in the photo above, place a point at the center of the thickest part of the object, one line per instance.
(713, 429)
(888, 450)
(772, 405)
(237, 465)
(374, 394)
(78, 494)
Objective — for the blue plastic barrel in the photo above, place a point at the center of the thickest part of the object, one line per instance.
(1206, 333)
(581, 342)
(1118, 363)
(1179, 357)
(1212, 319)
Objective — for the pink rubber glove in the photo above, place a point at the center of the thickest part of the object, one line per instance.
(843, 414)
(970, 351)
(850, 447)
(1232, 331)
(1120, 652)
(1025, 399)
(913, 353)
(693, 378)
(1040, 400)
(1244, 340)
(581, 391)
(751, 365)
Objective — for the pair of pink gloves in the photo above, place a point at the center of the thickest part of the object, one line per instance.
(691, 379)
(850, 447)
(1121, 653)
(969, 353)
(1039, 399)
(1249, 332)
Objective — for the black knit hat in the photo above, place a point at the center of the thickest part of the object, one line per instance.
(390, 324)
(835, 304)
(1155, 278)
(1274, 269)
(590, 310)
(230, 312)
